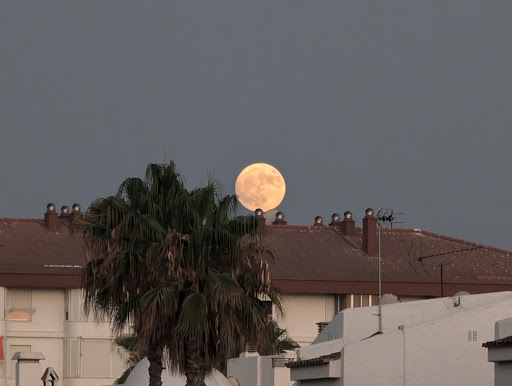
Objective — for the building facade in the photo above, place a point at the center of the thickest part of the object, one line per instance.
(324, 269)
(320, 269)
(500, 352)
(429, 342)
(52, 321)
(41, 306)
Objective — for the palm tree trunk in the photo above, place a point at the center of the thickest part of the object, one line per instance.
(155, 366)
(195, 368)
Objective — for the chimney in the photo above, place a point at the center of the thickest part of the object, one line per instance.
(258, 215)
(280, 219)
(335, 221)
(75, 213)
(28, 367)
(51, 218)
(348, 225)
(249, 351)
(370, 242)
(65, 216)
(319, 221)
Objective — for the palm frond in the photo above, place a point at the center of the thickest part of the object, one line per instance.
(222, 289)
(193, 320)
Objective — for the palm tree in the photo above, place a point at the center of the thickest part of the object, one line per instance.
(221, 274)
(274, 340)
(129, 344)
(179, 267)
(118, 232)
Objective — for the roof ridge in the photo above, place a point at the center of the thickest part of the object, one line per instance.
(299, 227)
(465, 242)
(10, 219)
(444, 237)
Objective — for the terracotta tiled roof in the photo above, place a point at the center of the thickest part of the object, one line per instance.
(307, 259)
(499, 342)
(320, 257)
(29, 251)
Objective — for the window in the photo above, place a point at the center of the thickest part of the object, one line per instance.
(98, 359)
(354, 301)
(19, 304)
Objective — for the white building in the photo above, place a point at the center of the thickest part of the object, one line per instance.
(429, 342)
(320, 270)
(41, 308)
(251, 369)
(139, 377)
(323, 270)
(51, 321)
(500, 352)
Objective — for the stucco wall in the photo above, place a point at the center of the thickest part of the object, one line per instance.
(258, 371)
(60, 340)
(503, 374)
(252, 371)
(302, 312)
(435, 342)
(282, 377)
(42, 333)
(359, 323)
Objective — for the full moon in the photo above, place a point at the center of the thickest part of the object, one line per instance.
(260, 186)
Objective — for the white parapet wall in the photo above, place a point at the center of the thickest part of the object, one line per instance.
(431, 342)
(251, 369)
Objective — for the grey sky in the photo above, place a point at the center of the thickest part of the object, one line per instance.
(402, 104)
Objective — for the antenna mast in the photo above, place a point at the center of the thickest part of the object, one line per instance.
(384, 215)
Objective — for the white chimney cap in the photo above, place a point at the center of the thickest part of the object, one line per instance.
(28, 356)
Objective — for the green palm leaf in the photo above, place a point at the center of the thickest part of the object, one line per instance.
(193, 319)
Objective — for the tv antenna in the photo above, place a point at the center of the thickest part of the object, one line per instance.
(384, 215)
(462, 250)
(388, 215)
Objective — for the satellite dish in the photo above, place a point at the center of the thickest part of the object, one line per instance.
(462, 293)
(389, 298)
(233, 381)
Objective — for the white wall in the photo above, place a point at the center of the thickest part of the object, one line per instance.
(251, 371)
(359, 323)
(431, 349)
(437, 353)
(501, 356)
(42, 333)
(282, 376)
(60, 340)
(255, 370)
(503, 373)
(90, 356)
(302, 312)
